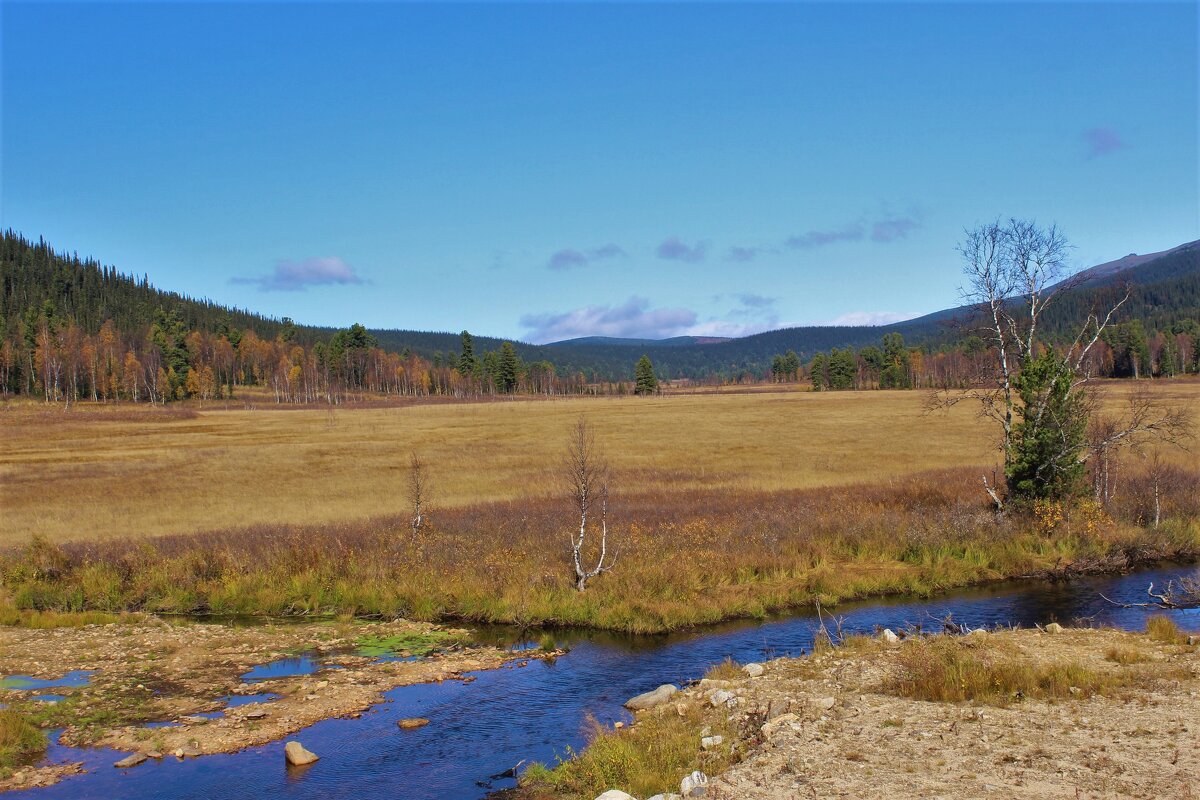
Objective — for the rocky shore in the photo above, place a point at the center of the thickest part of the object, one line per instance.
(852, 721)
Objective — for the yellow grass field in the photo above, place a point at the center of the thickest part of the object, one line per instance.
(103, 472)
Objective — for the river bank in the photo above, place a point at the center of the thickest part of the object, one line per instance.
(182, 690)
(1015, 713)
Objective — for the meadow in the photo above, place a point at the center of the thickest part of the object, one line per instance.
(99, 473)
(724, 505)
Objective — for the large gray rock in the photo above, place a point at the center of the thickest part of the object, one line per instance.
(890, 636)
(297, 756)
(754, 670)
(130, 761)
(694, 785)
(720, 697)
(1054, 627)
(615, 794)
(671, 796)
(651, 699)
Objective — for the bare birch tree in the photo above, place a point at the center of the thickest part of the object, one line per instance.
(1015, 271)
(587, 476)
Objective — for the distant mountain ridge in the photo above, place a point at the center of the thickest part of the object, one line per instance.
(1165, 287)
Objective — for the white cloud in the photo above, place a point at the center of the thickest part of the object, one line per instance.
(634, 319)
(869, 318)
(296, 276)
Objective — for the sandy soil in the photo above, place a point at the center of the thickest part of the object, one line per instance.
(822, 727)
(153, 671)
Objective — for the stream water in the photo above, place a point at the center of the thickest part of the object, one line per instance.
(534, 712)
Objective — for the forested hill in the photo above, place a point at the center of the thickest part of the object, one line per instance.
(33, 277)
(33, 274)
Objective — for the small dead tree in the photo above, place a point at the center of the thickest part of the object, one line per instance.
(1144, 421)
(418, 491)
(587, 476)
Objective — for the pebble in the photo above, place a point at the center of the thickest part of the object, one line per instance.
(412, 723)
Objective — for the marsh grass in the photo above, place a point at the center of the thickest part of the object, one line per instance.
(122, 472)
(21, 742)
(687, 557)
(649, 758)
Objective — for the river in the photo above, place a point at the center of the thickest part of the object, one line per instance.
(534, 712)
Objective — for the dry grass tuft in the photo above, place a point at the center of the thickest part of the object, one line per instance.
(644, 760)
(1163, 629)
(1123, 654)
(948, 670)
(727, 670)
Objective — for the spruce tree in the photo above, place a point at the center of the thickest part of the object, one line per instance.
(508, 369)
(645, 380)
(466, 362)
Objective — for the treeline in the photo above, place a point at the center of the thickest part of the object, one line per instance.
(1125, 350)
(72, 330)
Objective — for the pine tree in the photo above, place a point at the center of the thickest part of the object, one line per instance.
(645, 381)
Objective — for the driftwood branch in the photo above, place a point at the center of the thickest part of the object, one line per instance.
(1185, 595)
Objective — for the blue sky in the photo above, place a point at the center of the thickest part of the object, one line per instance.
(556, 170)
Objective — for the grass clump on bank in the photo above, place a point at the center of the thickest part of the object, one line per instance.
(727, 670)
(46, 620)
(948, 670)
(1163, 629)
(647, 759)
(412, 643)
(21, 742)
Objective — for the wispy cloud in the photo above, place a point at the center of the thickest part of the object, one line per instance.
(730, 329)
(296, 276)
(868, 318)
(756, 300)
(743, 254)
(890, 229)
(817, 238)
(570, 258)
(1102, 141)
(882, 229)
(634, 318)
(675, 249)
